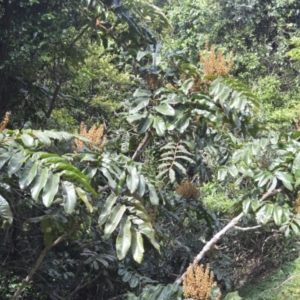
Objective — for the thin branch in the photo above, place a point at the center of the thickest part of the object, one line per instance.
(247, 228)
(217, 236)
(118, 297)
(286, 281)
(37, 264)
(141, 147)
(84, 285)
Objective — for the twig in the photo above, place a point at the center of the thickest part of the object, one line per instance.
(141, 147)
(247, 228)
(217, 236)
(37, 264)
(286, 281)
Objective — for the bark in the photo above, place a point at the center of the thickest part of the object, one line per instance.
(209, 245)
(37, 264)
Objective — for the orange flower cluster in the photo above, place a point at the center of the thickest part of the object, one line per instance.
(5, 121)
(214, 61)
(187, 190)
(95, 135)
(198, 281)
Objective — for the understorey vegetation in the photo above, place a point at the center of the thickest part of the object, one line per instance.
(149, 149)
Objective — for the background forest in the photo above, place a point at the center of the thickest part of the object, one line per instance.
(149, 149)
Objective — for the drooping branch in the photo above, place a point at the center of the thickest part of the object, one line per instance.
(142, 146)
(37, 264)
(53, 100)
(209, 245)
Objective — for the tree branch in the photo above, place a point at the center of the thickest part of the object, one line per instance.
(37, 264)
(217, 236)
(141, 147)
(247, 228)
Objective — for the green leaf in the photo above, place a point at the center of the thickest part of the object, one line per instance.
(81, 179)
(222, 173)
(183, 123)
(286, 178)
(42, 137)
(152, 194)
(106, 209)
(165, 109)
(277, 215)
(233, 171)
(265, 213)
(50, 189)
(107, 174)
(29, 173)
(69, 196)
(39, 183)
(15, 163)
(246, 206)
(137, 245)
(113, 220)
(172, 175)
(4, 157)
(123, 241)
(27, 140)
(233, 296)
(132, 179)
(159, 125)
(5, 211)
(141, 93)
(145, 124)
(295, 228)
(84, 197)
(142, 186)
(147, 229)
(142, 104)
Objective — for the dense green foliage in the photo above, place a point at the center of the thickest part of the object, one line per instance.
(196, 159)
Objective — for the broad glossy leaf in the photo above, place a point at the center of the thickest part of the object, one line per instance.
(106, 209)
(147, 229)
(295, 229)
(27, 140)
(246, 206)
(50, 189)
(84, 197)
(4, 157)
(145, 124)
(141, 93)
(140, 105)
(113, 220)
(5, 211)
(222, 173)
(165, 109)
(81, 179)
(183, 123)
(15, 163)
(28, 174)
(286, 178)
(172, 175)
(123, 241)
(152, 194)
(142, 186)
(277, 214)
(265, 213)
(132, 179)
(296, 163)
(39, 183)
(108, 176)
(69, 196)
(137, 245)
(159, 125)
(43, 137)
